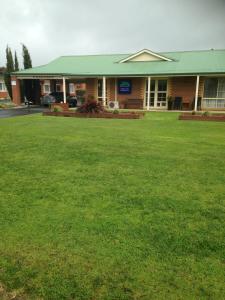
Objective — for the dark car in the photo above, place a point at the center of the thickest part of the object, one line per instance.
(57, 97)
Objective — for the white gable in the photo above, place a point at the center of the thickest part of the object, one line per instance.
(145, 55)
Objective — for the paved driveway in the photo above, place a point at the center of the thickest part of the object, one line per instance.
(14, 112)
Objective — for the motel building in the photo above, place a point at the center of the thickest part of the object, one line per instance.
(187, 80)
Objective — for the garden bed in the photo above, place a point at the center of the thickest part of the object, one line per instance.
(202, 117)
(104, 115)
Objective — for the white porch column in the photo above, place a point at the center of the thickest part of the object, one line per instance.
(115, 89)
(64, 90)
(196, 94)
(149, 93)
(104, 90)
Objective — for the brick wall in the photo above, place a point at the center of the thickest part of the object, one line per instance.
(4, 95)
(16, 91)
(137, 92)
(91, 87)
(185, 87)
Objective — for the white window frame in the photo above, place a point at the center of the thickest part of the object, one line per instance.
(3, 89)
(100, 98)
(47, 84)
(71, 88)
(215, 102)
(156, 93)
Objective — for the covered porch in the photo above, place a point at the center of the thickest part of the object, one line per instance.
(149, 93)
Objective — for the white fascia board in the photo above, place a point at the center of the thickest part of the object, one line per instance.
(144, 51)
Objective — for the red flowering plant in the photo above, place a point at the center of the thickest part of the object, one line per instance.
(91, 106)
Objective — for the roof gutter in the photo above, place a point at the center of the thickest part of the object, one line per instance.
(70, 76)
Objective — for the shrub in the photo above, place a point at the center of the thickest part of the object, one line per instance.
(116, 111)
(6, 105)
(193, 112)
(57, 109)
(91, 106)
(206, 113)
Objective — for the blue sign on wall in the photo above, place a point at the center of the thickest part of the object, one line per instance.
(124, 86)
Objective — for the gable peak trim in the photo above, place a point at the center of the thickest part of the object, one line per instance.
(130, 57)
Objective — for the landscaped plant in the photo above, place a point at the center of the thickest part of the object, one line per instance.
(193, 112)
(57, 109)
(6, 105)
(91, 106)
(116, 111)
(206, 113)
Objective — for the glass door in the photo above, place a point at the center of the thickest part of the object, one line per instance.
(158, 93)
(161, 101)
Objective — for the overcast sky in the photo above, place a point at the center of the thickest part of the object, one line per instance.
(50, 28)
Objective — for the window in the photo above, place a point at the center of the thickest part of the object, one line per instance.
(58, 87)
(214, 93)
(214, 88)
(210, 90)
(100, 87)
(2, 86)
(221, 88)
(100, 90)
(71, 88)
(47, 88)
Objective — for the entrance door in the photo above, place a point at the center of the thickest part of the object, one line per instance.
(158, 93)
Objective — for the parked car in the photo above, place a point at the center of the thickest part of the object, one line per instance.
(57, 97)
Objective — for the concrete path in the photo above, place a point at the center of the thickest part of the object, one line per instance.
(15, 112)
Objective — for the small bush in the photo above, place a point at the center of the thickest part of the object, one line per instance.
(57, 109)
(91, 106)
(193, 112)
(116, 111)
(206, 113)
(6, 105)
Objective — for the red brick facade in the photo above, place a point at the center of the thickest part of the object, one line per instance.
(92, 87)
(137, 91)
(177, 87)
(185, 87)
(3, 95)
(16, 95)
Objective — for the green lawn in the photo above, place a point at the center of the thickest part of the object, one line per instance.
(112, 209)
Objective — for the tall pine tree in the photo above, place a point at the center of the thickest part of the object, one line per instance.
(16, 63)
(27, 62)
(9, 69)
(28, 84)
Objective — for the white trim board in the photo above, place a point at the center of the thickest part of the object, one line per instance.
(149, 53)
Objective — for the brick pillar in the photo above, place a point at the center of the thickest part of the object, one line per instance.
(16, 95)
(91, 87)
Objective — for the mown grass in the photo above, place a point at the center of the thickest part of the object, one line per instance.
(112, 209)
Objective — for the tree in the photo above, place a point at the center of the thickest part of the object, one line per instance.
(9, 70)
(27, 62)
(16, 63)
(28, 84)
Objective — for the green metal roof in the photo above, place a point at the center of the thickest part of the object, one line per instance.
(183, 63)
